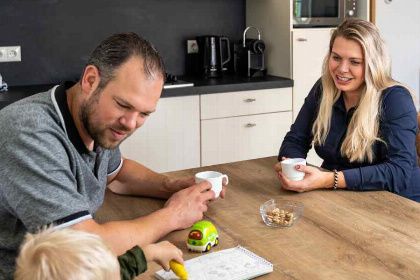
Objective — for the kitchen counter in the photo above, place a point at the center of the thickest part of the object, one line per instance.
(228, 83)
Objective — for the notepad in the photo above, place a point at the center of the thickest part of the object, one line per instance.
(233, 264)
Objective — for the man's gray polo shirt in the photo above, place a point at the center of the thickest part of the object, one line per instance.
(47, 175)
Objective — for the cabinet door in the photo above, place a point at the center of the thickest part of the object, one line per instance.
(170, 138)
(309, 49)
(241, 138)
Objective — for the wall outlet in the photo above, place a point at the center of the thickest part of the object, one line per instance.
(3, 55)
(192, 46)
(8, 54)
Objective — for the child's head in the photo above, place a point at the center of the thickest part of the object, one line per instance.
(65, 254)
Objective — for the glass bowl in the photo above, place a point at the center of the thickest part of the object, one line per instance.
(281, 213)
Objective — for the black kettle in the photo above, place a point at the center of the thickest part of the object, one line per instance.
(211, 54)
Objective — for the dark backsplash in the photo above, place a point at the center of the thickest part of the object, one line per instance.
(57, 36)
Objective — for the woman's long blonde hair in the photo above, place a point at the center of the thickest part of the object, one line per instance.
(363, 128)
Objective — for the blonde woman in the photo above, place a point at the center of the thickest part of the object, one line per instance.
(361, 122)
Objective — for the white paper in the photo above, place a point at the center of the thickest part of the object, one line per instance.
(233, 264)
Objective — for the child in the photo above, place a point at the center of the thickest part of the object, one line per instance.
(69, 254)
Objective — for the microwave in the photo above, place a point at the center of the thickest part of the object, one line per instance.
(322, 13)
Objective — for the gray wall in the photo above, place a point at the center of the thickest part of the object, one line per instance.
(57, 36)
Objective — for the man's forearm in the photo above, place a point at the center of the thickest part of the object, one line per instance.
(121, 236)
(136, 179)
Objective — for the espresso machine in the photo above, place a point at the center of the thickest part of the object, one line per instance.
(249, 56)
(212, 55)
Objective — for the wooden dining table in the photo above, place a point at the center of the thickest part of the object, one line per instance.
(341, 235)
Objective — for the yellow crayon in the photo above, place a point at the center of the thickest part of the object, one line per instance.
(179, 270)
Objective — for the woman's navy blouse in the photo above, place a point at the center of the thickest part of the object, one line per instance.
(394, 168)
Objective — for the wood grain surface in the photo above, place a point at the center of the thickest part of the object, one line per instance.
(341, 235)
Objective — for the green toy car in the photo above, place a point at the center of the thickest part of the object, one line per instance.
(203, 235)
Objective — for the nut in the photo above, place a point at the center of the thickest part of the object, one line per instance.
(280, 217)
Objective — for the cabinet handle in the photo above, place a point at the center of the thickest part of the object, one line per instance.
(251, 125)
(302, 39)
(250, 100)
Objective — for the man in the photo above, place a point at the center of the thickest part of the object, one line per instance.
(59, 151)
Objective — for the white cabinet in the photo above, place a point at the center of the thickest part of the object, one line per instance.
(242, 103)
(242, 138)
(170, 138)
(232, 126)
(244, 125)
(310, 47)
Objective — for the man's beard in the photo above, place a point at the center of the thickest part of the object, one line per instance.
(96, 129)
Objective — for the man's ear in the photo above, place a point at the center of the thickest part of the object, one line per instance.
(90, 80)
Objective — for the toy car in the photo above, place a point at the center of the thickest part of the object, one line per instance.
(203, 235)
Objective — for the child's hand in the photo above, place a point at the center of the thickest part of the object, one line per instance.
(162, 253)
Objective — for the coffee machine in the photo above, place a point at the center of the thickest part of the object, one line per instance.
(211, 55)
(249, 56)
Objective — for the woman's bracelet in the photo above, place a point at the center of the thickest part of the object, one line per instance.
(335, 179)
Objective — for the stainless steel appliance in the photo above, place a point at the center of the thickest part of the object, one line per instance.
(211, 55)
(322, 13)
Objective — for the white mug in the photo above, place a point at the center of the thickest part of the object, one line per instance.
(288, 167)
(215, 179)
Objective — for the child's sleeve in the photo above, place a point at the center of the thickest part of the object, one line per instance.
(132, 263)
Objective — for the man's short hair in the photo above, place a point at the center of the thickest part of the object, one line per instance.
(118, 49)
(65, 254)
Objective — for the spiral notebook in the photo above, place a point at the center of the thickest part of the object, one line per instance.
(233, 264)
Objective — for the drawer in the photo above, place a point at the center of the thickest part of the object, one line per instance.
(230, 104)
(241, 138)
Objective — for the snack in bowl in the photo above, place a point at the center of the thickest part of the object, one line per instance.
(281, 213)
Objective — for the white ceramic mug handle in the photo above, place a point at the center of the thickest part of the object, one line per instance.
(227, 179)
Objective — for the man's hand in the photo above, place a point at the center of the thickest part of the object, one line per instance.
(188, 205)
(314, 179)
(175, 185)
(183, 183)
(223, 192)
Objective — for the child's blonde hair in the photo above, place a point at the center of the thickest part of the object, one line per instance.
(65, 254)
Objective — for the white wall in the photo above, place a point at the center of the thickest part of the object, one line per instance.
(399, 25)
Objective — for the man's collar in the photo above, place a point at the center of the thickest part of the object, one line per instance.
(72, 132)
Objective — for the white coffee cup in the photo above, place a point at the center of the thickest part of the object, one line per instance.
(215, 179)
(288, 167)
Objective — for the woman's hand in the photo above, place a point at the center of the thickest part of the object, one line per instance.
(314, 179)
(277, 167)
